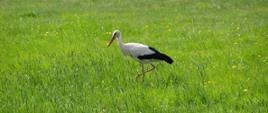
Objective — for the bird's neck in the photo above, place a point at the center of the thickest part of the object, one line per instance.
(120, 42)
(121, 45)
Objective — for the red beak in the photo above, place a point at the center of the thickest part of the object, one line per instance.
(110, 43)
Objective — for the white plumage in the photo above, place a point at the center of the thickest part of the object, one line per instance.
(140, 52)
(135, 49)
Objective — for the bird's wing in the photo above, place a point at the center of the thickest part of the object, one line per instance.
(136, 49)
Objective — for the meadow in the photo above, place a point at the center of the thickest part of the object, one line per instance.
(54, 58)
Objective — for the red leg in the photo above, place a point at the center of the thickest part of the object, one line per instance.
(153, 68)
(142, 69)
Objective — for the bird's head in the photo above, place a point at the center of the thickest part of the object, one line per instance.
(116, 34)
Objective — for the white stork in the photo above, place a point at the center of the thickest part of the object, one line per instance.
(140, 52)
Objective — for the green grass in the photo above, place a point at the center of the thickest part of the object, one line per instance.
(53, 56)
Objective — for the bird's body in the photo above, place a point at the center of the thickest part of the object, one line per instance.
(140, 52)
(134, 50)
(143, 53)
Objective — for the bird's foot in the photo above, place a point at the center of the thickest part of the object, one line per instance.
(139, 76)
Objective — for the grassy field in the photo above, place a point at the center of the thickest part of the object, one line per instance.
(53, 56)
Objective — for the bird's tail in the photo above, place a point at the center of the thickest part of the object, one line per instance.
(166, 58)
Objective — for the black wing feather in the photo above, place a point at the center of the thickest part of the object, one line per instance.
(157, 55)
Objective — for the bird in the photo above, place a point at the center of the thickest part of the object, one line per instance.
(144, 54)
